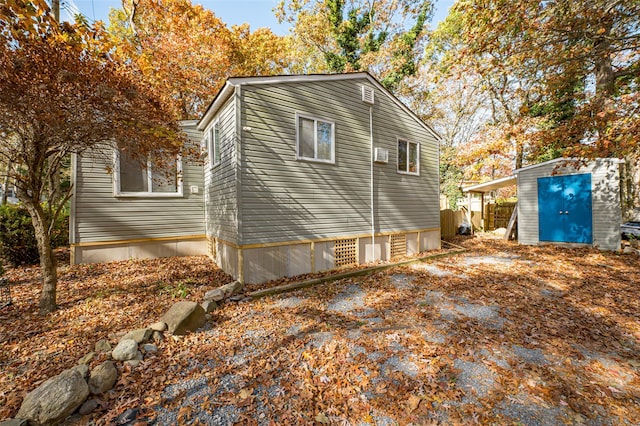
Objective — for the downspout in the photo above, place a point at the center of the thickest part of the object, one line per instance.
(373, 222)
(72, 210)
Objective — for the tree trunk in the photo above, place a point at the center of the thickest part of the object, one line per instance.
(47, 260)
(5, 184)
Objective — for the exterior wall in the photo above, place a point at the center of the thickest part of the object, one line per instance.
(100, 217)
(221, 181)
(285, 199)
(605, 178)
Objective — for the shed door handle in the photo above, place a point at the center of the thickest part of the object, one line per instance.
(560, 211)
(566, 212)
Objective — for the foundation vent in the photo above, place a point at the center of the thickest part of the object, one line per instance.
(398, 245)
(211, 247)
(345, 252)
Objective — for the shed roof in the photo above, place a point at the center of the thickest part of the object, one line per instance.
(492, 185)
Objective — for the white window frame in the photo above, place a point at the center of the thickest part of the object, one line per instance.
(146, 194)
(315, 138)
(409, 143)
(213, 145)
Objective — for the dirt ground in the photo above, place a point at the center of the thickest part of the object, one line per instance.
(502, 334)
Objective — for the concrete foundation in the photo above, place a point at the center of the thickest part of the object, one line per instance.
(145, 249)
(256, 264)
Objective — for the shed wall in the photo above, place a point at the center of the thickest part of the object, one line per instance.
(607, 214)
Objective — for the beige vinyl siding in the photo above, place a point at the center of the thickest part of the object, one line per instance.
(99, 216)
(286, 199)
(221, 181)
(403, 201)
(606, 212)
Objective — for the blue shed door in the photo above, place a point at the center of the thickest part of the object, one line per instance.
(564, 209)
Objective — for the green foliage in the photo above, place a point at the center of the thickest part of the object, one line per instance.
(178, 291)
(451, 175)
(18, 242)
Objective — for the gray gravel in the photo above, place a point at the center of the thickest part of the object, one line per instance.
(527, 413)
(348, 300)
(402, 281)
(475, 379)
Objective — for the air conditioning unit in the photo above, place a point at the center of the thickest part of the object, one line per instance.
(381, 155)
(368, 95)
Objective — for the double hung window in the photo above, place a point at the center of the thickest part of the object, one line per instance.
(315, 139)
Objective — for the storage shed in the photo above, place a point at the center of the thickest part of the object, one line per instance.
(567, 201)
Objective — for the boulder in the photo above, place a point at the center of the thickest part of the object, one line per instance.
(157, 337)
(55, 399)
(125, 350)
(103, 346)
(184, 317)
(88, 407)
(149, 348)
(209, 306)
(14, 422)
(133, 363)
(158, 326)
(141, 335)
(102, 378)
(224, 292)
(83, 369)
(86, 360)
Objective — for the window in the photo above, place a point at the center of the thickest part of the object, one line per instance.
(408, 157)
(214, 144)
(135, 179)
(315, 139)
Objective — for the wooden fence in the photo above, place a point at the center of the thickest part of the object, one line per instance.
(449, 222)
(497, 215)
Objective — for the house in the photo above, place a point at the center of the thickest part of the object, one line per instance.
(566, 201)
(302, 174)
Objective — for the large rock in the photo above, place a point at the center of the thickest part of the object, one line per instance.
(103, 346)
(224, 292)
(102, 378)
(209, 306)
(126, 350)
(14, 422)
(55, 399)
(141, 335)
(184, 317)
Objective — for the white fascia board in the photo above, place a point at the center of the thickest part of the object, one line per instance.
(216, 104)
(568, 160)
(295, 78)
(492, 184)
(405, 108)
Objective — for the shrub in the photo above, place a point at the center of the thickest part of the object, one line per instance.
(18, 242)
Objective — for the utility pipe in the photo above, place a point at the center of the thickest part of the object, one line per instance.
(373, 224)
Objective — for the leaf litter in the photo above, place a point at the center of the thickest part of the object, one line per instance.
(534, 335)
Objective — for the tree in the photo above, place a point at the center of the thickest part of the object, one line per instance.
(381, 37)
(186, 52)
(565, 74)
(62, 93)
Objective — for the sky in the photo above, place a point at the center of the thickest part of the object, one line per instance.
(258, 13)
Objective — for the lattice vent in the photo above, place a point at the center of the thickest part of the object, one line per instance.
(398, 245)
(345, 252)
(211, 247)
